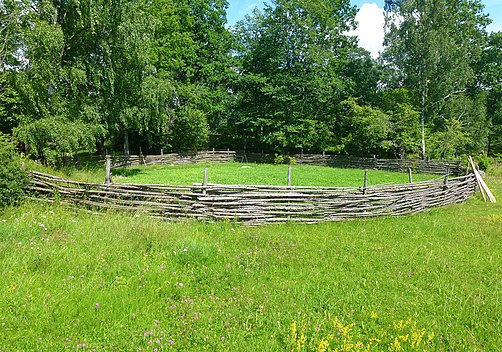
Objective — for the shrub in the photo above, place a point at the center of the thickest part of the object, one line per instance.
(284, 159)
(484, 162)
(13, 179)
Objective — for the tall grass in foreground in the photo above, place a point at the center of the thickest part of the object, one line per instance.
(75, 280)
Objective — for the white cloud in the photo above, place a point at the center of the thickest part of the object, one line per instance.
(370, 32)
(251, 7)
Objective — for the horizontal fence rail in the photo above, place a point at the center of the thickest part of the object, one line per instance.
(215, 156)
(253, 205)
(450, 167)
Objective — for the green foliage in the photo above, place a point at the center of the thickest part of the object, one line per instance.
(11, 23)
(431, 49)
(190, 130)
(364, 130)
(484, 162)
(284, 159)
(490, 75)
(9, 104)
(169, 74)
(292, 59)
(51, 138)
(13, 179)
(404, 131)
(191, 50)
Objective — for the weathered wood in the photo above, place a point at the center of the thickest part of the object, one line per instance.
(255, 205)
(482, 185)
(434, 167)
(365, 184)
(108, 177)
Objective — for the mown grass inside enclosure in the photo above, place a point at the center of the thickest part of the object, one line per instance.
(234, 173)
(259, 174)
(72, 279)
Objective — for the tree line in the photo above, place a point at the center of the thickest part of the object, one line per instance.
(169, 74)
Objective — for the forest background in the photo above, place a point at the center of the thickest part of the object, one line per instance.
(170, 74)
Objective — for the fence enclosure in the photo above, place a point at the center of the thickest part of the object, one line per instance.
(254, 205)
(214, 156)
(451, 167)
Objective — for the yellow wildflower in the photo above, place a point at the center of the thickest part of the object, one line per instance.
(323, 346)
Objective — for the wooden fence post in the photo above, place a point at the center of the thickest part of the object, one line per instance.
(142, 157)
(108, 168)
(365, 180)
(289, 176)
(410, 176)
(204, 182)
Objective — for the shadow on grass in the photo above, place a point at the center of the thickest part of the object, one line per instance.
(127, 172)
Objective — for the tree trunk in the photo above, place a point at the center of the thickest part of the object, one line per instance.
(422, 119)
(126, 145)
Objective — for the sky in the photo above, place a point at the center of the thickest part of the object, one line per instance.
(369, 16)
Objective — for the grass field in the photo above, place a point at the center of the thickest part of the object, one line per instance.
(71, 279)
(259, 174)
(237, 173)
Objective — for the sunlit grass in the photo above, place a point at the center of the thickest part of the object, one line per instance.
(71, 279)
(259, 174)
(233, 173)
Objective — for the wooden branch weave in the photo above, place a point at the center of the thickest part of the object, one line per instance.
(255, 205)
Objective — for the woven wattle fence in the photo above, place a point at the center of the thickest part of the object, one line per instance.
(254, 205)
(451, 167)
(209, 157)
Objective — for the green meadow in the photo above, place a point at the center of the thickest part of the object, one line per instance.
(72, 279)
(259, 174)
(234, 173)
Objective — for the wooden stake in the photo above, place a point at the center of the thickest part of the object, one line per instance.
(108, 178)
(365, 180)
(289, 176)
(142, 157)
(204, 182)
(410, 176)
